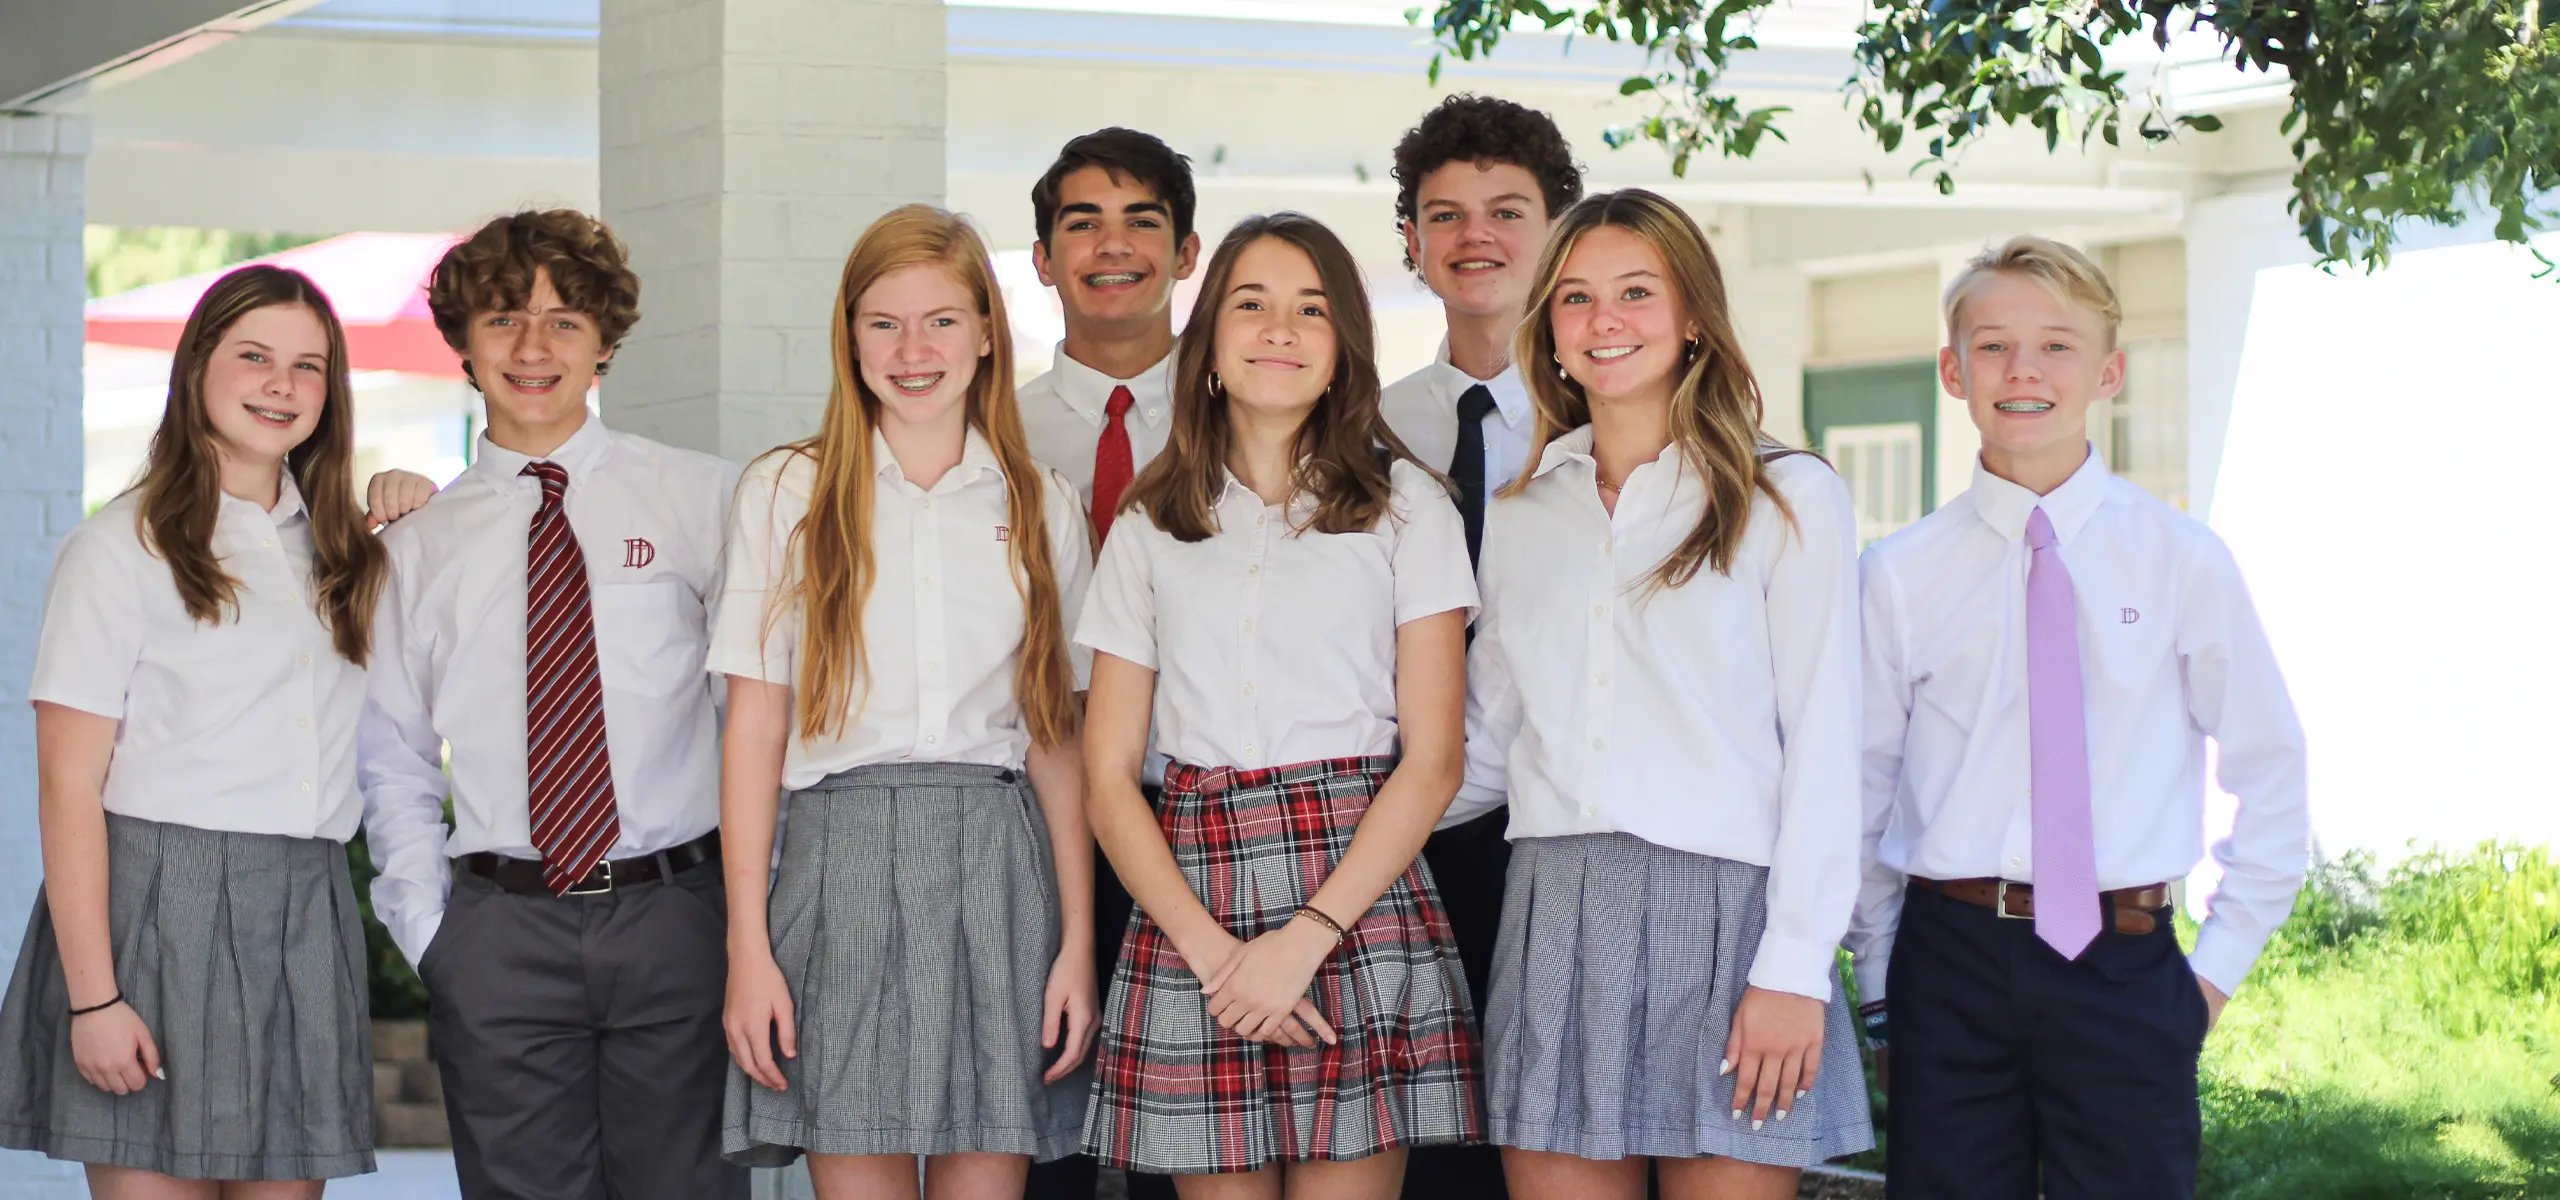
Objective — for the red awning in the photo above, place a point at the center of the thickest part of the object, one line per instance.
(376, 281)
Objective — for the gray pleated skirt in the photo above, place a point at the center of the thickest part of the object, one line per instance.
(244, 955)
(915, 920)
(1615, 977)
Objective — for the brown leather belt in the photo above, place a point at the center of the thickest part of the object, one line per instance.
(2136, 909)
(524, 876)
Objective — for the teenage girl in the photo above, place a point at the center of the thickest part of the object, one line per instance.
(920, 981)
(188, 1015)
(1666, 681)
(1286, 591)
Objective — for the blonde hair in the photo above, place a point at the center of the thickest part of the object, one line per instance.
(1715, 405)
(832, 543)
(2061, 270)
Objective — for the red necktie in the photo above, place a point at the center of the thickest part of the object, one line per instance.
(1112, 462)
(569, 777)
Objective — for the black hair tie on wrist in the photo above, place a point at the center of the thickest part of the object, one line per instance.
(99, 1008)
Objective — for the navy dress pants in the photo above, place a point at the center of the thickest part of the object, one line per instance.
(2016, 1072)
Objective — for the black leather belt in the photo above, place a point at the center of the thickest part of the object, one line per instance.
(524, 876)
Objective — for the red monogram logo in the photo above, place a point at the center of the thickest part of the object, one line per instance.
(637, 552)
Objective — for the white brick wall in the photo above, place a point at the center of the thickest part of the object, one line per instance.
(745, 144)
(41, 289)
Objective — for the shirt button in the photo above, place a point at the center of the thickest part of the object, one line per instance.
(1248, 689)
(1250, 752)
(1597, 743)
(1151, 413)
(927, 502)
(304, 723)
(930, 581)
(1248, 627)
(1262, 519)
(306, 660)
(1253, 569)
(306, 785)
(930, 739)
(293, 597)
(1599, 610)
(933, 664)
(266, 541)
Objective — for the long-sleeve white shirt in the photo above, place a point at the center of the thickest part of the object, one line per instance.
(1718, 718)
(2171, 653)
(942, 626)
(449, 662)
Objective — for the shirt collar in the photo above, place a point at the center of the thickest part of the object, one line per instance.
(1510, 394)
(1087, 390)
(977, 459)
(1575, 447)
(503, 468)
(289, 506)
(2005, 506)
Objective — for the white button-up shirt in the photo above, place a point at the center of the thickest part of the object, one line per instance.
(244, 724)
(1273, 644)
(2171, 653)
(449, 661)
(1062, 415)
(1718, 718)
(942, 627)
(1423, 410)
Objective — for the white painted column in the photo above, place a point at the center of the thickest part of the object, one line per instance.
(1773, 315)
(2230, 239)
(744, 145)
(42, 204)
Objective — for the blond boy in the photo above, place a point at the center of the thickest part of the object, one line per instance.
(2045, 656)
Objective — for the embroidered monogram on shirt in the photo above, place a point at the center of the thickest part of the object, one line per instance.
(1004, 533)
(2131, 616)
(637, 552)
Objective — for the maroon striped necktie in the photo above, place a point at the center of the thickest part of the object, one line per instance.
(569, 776)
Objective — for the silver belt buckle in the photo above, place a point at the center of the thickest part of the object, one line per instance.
(604, 867)
(2000, 903)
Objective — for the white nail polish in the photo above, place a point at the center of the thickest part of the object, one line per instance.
(1724, 1066)
(162, 1075)
(1801, 1093)
(1782, 1114)
(1737, 1115)
(1756, 1123)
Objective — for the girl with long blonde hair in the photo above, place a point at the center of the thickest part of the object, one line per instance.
(1665, 682)
(919, 983)
(189, 1002)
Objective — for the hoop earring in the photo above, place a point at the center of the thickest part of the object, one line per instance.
(1689, 351)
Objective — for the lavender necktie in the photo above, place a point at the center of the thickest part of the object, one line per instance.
(2058, 752)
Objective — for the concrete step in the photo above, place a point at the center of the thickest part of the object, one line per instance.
(386, 1085)
(411, 1124)
(399, 1041)
(421, 1082)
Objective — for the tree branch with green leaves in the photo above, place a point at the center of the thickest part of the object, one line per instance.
(2401, 110)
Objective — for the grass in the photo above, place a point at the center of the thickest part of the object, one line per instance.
(2399, 1039)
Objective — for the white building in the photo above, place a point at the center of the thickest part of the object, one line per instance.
(740, 145)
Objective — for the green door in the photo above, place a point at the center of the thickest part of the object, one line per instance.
(1878, 425)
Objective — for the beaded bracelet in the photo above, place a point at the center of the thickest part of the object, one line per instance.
(99, 1008)
(1312, 913)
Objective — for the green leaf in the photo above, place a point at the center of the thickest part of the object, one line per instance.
(1635, 84)
(2203, 123)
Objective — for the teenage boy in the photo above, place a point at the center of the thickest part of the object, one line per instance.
(1479, 181)
(545, 619)
(1113, 234)
(2045, 657)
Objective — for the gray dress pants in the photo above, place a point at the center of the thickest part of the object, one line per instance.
(579, 1040)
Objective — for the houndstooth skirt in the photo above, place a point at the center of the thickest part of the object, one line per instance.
(243, 953)
(1174, 1093)
(915, 920)
(1615, 978)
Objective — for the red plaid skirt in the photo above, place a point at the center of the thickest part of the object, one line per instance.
(1175, 1093)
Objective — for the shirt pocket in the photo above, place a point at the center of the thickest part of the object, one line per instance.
(1963, 682)
(650, 637)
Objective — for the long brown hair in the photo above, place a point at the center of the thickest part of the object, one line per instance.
(1343, 450)
(1715, 407)
(181, 482)
(831, 545)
